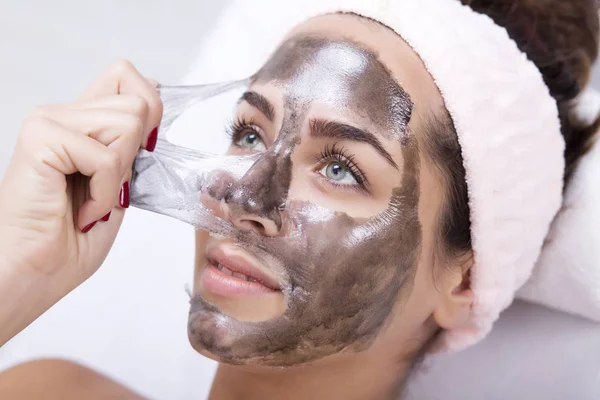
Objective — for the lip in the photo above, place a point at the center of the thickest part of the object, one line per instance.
(232, 258)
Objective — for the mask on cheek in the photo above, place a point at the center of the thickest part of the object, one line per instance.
(340, 276)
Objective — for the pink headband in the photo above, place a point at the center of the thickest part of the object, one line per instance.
(509, 132)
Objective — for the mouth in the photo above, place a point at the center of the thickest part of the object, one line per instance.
(229, 272)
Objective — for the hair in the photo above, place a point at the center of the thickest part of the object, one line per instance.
(561, 38)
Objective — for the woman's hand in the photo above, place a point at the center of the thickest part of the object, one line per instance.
(63, 196)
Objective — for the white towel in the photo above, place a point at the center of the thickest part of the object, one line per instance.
(567, 275)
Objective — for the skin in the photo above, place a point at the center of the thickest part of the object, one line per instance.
(53, 379)
(420, 296)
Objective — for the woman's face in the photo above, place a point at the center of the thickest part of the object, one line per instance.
(341, 196)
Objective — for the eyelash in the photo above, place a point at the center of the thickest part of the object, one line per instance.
(341, 155)
(239, 127)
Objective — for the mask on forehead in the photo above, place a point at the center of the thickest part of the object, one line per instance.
(340, 276)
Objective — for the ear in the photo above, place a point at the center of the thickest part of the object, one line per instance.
(454, 306)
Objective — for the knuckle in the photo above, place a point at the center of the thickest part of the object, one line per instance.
(38, 111)
(111, 162)
(158, 106)
(33, 124)
(121, 67)
(36, 130)
(156, 103)
(140, 106)
(134, 125)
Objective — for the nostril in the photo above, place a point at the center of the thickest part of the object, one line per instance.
(259, 226)
(253, 225)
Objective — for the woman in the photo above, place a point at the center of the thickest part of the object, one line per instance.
(347, 117)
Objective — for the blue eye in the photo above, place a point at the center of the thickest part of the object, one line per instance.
(246, 135)
(339, 173)
(338, 166)
(250, 140)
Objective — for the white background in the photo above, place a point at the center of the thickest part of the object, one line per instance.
(129, 320)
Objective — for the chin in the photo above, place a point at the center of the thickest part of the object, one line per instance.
(228, 341)
(216, 351)
(223, 338)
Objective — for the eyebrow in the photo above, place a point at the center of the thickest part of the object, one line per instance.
(320, 128)
(259, 102)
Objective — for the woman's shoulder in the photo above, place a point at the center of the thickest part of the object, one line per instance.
(59, 379)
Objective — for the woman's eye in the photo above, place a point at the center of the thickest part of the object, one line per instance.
(251, 141)
(339, 173)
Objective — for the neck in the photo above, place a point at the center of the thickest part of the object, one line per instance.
(351, 378)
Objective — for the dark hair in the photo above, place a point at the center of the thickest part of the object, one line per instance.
(561, 38)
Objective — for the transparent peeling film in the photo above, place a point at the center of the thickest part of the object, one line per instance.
(169, 180)
(180, 179)
(337, 272)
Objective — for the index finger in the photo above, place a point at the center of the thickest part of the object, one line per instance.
(123, 78)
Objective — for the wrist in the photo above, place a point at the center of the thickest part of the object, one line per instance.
(24, 296)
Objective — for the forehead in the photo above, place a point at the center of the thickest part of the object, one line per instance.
(403, 65)
(341, 74)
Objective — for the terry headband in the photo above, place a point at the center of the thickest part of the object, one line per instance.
(507, 125)
(509, 131)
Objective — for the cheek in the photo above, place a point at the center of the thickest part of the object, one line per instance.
(431, 205)
(425, 295)
(413, 310)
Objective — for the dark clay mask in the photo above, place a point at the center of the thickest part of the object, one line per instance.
(341, 276)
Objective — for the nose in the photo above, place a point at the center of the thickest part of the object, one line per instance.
(255, 202)
(249, 220)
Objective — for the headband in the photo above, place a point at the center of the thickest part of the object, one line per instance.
(509, 132)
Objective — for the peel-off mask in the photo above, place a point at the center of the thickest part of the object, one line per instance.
(340, 272)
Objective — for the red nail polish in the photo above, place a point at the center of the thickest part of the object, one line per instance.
(106, 217)
(152, 138)
(124, 196)
(87, 228)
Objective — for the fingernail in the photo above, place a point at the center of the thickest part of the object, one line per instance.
(124, 196)
(106, 217)
(87, 228)
(152, 138)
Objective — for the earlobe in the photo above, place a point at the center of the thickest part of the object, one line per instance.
(454, 307)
